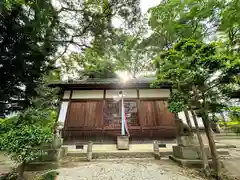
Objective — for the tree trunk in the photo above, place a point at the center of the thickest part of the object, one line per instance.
(177, 124)
(212, 145)
(20, 171)
(204, 157)
(188, 121)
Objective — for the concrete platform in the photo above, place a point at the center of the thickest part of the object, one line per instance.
(134, 147)
(191, 163)
(113, 148)
(110, 151)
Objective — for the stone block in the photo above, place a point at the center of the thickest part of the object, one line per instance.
(196, 163)
(191, 152)
(123, 142)
(187, 141)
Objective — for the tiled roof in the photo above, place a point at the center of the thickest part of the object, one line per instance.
(145, 81)
(113, 81)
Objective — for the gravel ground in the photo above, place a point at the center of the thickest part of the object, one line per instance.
(127, 170)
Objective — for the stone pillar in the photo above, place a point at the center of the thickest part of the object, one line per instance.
(89, 150)
(123, 142)
(156, 150)
(187, 152)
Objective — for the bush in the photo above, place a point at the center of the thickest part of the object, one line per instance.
(236, 129)
(9, 176)
(49, 175)
(24, 134)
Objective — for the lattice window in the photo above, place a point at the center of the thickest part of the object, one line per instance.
(112, 112)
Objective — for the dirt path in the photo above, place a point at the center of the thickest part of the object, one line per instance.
(5, 163)
(127, 170)
(232, 162)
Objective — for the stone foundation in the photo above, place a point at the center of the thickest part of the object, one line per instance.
(191, 152)
(187, 141)
(123, 142)
(187, 152)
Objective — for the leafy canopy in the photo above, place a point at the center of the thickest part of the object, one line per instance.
(198, 72)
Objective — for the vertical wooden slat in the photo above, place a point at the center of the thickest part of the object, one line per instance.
(158, 112)
(164, 117)
(139, 114)
(147, 113)
(102, 116)
(76, 114)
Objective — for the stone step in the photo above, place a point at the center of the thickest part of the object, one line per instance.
(225, 146)
(40, 166)
(81, 156)
(226, 134)
(197, 163)
(227, 137)
(120, 154)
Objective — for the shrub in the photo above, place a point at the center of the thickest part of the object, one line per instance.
(49, 175)
(24, 134)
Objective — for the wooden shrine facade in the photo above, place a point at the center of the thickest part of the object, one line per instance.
(94, 110)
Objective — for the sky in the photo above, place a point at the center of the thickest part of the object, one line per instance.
(146, 4)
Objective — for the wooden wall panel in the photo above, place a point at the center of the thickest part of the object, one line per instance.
(94, 114)
(163, 116)
(76, 114)
(155, 113)
(99, 114)
(85, 114)
(147, 113)
(85, 119)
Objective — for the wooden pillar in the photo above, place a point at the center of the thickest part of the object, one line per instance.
(89, 150)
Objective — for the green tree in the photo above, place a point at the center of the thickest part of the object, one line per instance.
(174, 20)
(129, 51)
(197, 70)
(23, 135)
(90, 23)
(229, 24)
(126, 51)
(88, 65)
(33, 32)
(22, 142)
(26, 48)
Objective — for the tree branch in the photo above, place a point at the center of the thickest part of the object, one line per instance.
(65, 50)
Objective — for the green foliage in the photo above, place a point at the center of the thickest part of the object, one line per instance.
(49, 176)
(92, 26)
(196, 19)
(47, 98)
(130, 52)
(90, 65)
(177, 103)
(124, 52)
(234, 113)
(190, 66)
(23, 133)
(229, 123)
(20, 143)
(174, 20)
(28, 31)
(233, 125)
(9, 176)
